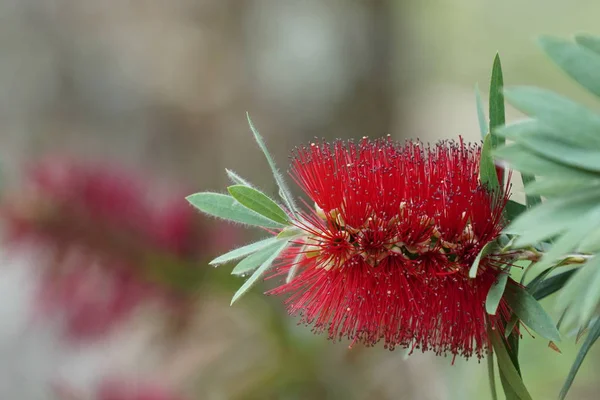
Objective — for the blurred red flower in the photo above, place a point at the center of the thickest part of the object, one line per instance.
(388, 249)
(109, 237)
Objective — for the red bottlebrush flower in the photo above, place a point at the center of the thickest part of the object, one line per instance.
(388, 250)
(99, 225)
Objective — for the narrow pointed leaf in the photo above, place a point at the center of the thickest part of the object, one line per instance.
(496, 105)
(561, 152)
(238, 180)
(485, 250)
(483, 122)
(295, 265)
(507, 370)
(290, 232)
(243, 251)
(487, 169)
(522, 159)
(259, 202)
(514, 209)
(591, 244)
(579, 62)
(589, 42)
(258, 273)
(495, 294)
(593, 335)
(552, 187)
(284, 191)
(552, 284)
(580, 296)
(510, 326)
(548, 219)
(568, 242)
(255, 260)
(226, 207)
(491, 376)
(526, 307)
(558, 114)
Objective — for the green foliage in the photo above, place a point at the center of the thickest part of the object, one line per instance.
(593, 335)
(236, 179)
(258, 202)
(485, 250)
(513, 385)
(496, 104)
(483, 125)
(580, 296)
(579, 62)
(491, 376)
(226, 207)
(514, 209)
(259, 273)
(560, 145)
(526, 307)
(487, 169)
(255, 260)
(495, 294)
(243, 251)
(284, 191)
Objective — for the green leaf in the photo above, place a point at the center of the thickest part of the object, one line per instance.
(510, 326)
(591, 338)
(290, 232)
(509, 392)
(483, 124)
(578, 230)
(259, 202)
(591, 244)
(557, 115)
(485, 250)
(561, 152)
(508, 371)
(514, 209)
(579, 62)
(495, 294)
(588, 41)
(243, 251)
(551, 217)
(284, 192)
(487, 169)
(255, 260)
(524, 160)
(551, 285)
(496, 105)
(295, 264)
(226, 207)
(491, 376)
(526, 307)
(552, 187)
(258, 273)
(581, 295)
(236, 179)
(530, 199)
(515, 131)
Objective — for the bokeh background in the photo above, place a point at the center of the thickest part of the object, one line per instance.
(163, 86)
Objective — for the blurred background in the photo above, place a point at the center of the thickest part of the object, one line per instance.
(163, 86)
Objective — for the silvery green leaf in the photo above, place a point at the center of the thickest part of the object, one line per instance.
(243, 251)
(259, 202)
(236, 179)
(264, 267)
(226, 207)
(284, 191)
